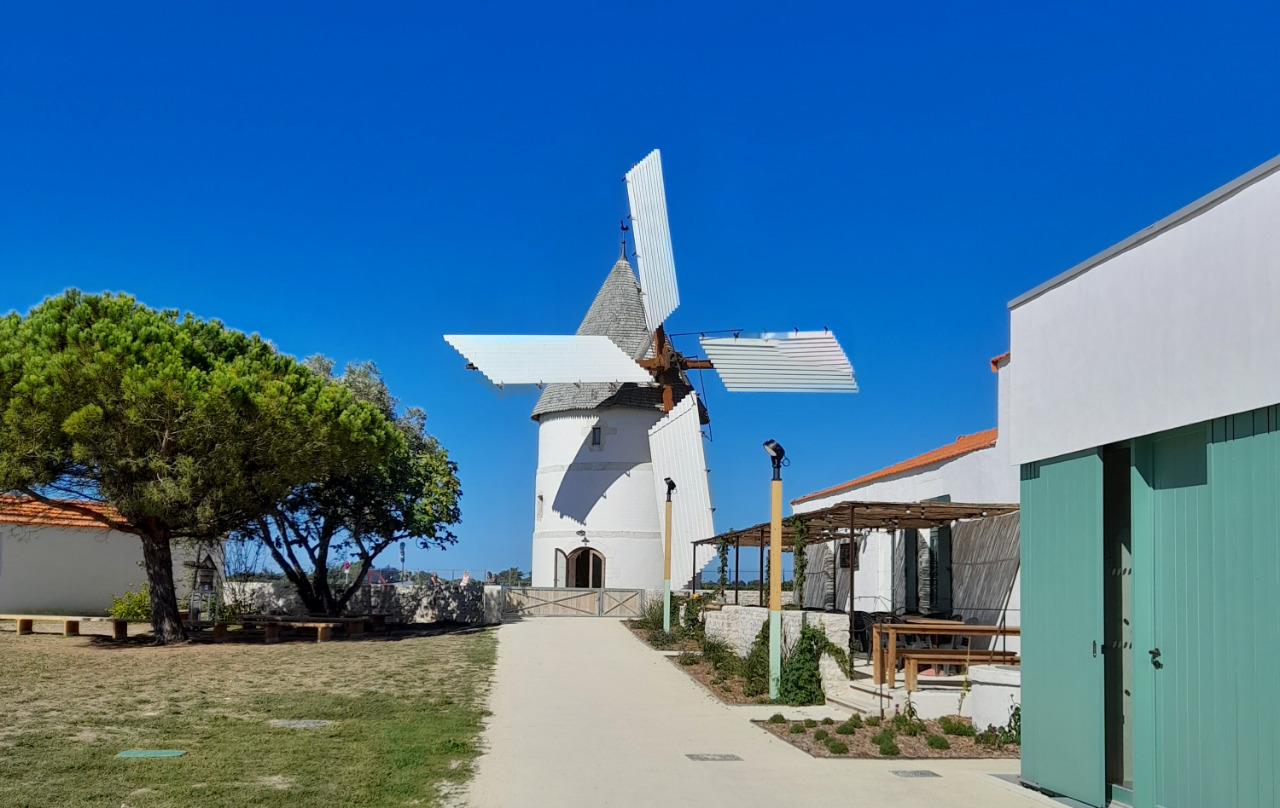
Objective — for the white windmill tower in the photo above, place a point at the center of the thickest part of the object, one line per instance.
(617, 415)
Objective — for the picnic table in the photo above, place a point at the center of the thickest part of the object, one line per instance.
(884, 662)
(70, 623)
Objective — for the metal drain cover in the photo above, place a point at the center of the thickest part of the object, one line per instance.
(712, 757)
(916, 773)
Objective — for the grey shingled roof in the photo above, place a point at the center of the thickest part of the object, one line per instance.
(616, 313)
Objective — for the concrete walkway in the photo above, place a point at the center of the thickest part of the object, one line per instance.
(586, 715)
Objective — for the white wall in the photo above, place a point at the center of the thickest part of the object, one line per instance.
(55, 570)
(606, 491)
(1179, 329)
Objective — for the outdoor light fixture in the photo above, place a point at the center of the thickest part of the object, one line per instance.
(666, 559)
(583, 534)
(776, 452)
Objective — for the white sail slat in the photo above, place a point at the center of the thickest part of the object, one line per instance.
(539, 360)
(647, 195)
(788, 362)
(675, 446)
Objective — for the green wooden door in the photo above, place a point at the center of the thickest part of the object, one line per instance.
(1062, 671)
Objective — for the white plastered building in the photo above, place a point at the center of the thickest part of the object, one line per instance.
(970, 570)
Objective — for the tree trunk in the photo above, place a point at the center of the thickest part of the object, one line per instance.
(166, 625)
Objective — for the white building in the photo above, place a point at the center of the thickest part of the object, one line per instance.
(596, 518)
(54, 561)
(973, 573)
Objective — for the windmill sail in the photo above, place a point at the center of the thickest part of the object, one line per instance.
(788, 362)
(675, 444)
(648, 200)
(520, 359)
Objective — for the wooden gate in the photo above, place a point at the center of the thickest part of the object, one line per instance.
(540, 601)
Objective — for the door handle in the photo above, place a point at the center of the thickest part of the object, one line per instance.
(1155, 657)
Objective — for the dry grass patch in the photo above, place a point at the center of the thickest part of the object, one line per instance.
(406, 713)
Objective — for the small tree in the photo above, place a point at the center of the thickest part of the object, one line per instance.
(187, 429)
(411, 495)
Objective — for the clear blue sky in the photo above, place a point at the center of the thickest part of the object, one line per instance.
(357, 181)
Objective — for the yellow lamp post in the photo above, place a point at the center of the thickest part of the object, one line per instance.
(666, 563)
(776, 452)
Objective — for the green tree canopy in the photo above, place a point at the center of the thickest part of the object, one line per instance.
(189, 429)
(412, 495)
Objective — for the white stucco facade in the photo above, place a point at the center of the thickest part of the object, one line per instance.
(606, 491)
(1198, 346)
(60, 570)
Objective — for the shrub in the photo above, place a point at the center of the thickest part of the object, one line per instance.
(801, 682)
(848, 728)
(132, 605)
(951, 726)
(810, 723)
(651, 619)
(826, 722)
(854, 721)
(688, 658)
(938, 742)
(692, 609)
(872, 721)
(821, 735)
(755, 668)
(908, 721)
(883, 736)
(837, 747)
(777, 718)
(720, 655)
(231, 611)
(797, 728)
(889, 748)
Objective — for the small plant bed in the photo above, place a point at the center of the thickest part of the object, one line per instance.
(729, 688)
(660, 640)
(897, 736)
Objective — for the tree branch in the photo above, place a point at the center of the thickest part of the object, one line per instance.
(83, 510)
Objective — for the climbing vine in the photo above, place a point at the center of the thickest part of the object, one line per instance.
(799, 558)
(722, 578)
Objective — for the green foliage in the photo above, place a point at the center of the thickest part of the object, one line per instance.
(1011, 733)
(883, 736)
(938, 742)
(691, 625)
(411, 495)
(821, 735)
(848, 727)
(232, 611)
(720, 655)
(908, 721)
(836, 747)
(662, 640)
(190, 430)
(514, 576)
(722, 573)
(687, 658)
(131, 605)
(755, 668)
(889, 749)
(951, 726)
(797, 728)
(801, 682)
(828, 721)
(651, 618)
(870, 721)
(777, 718)
(810, 723)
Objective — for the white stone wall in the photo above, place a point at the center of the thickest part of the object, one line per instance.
(605, 491)
(57, 570)
(738, 626)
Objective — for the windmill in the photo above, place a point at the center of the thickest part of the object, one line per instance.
(618, 417)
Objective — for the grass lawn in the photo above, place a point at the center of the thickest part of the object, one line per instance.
(406, 711)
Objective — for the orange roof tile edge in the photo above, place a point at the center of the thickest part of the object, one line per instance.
(963, 445)
(996, 361)
(26, 511)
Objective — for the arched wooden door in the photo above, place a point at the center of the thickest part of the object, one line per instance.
(586, 569)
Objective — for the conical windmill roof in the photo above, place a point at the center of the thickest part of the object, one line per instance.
(616, 313)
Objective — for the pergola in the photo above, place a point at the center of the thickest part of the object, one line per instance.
(845, 520)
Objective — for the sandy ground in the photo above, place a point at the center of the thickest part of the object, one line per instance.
(585, 715)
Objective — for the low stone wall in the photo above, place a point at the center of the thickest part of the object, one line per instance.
(739, 625)
(409, 603)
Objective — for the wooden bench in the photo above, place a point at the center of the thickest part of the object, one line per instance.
(70, 623)
(323, 625)
(914, 658)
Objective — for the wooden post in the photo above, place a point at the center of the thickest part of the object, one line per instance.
(322, 633)
(71, 628)
(835, 575)
(737, 546)
(219, 630)
(119, 630)
(853, 565)
(26, 625)
(762, 601)
(272, 632)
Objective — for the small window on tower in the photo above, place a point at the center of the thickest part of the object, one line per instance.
(595, 436)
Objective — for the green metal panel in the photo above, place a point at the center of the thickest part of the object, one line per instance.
(1062, 672)
(1206, 527)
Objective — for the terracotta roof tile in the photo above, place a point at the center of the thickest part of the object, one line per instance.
(997, 361)
(963, 445)
(26, 511)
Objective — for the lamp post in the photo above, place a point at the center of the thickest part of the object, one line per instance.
(666, 562)
(776, 453)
